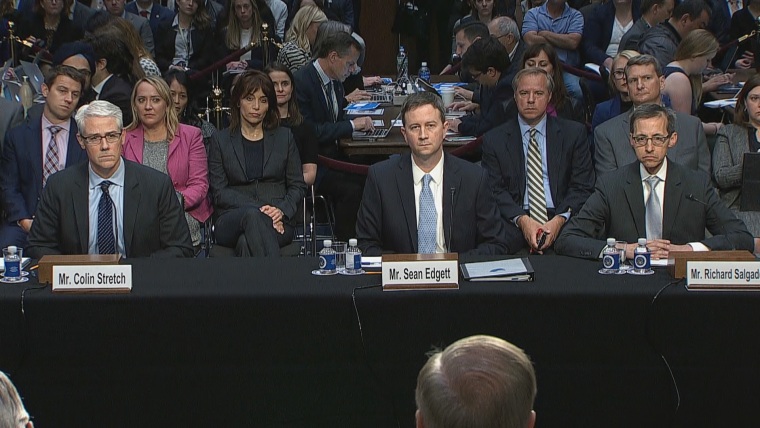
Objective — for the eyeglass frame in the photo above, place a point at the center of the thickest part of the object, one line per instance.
(89, 140)
(657, 140)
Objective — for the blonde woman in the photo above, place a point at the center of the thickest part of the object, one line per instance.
(620, 101)
(301, 37)
(244, 28)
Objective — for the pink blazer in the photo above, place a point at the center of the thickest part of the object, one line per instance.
(187, 166)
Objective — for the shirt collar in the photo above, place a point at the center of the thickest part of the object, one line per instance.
(321, 73)
(662, 173)
(117, 178)
(524, 127)
(514, 49)
(65, 125)
(436, 173)
(99, 87)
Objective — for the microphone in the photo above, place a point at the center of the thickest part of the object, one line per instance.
(691, 197)
(451, 219)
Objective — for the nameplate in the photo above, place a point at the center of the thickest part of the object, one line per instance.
(420, 271)
(47, 262)
(723, 276)
(93, 278)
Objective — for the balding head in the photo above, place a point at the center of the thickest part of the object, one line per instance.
(505, 30)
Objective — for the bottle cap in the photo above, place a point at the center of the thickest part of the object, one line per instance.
(352, 242)
(424, 63)
(328, 243)
(12, 249)
(611, 242)
(643, 242)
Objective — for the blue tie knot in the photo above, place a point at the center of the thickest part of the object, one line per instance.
(104, 185)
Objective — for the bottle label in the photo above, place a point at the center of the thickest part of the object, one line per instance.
(12, 268)
(327, 262)
(354, 262)
(642, 261)
(611, 261)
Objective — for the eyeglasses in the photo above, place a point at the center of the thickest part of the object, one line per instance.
(657, 140)
(111, 138)
(476, 76)
(619, 74)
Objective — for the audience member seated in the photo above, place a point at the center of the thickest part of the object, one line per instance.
(244, 19)
(80, 56)
(154, 12)
(108, 205)
(280, 15)
(139, 23)
(539, 166)
(487, 62)
(661, 41)
(157, 139)
(49, 26)
(11, 115)
(43, 144)
(653, 12)
(255, 172)
(291, 117)
(301, 36)
(605, 27)
(505, 30)
(630, 204)
(142, 60)
(728, 156)
(465, 35)
(335, 10)
(743, 23)
(478, 381)
(12, 411)
(187, 111)
(480, 11)
(353, 84)
(620, 100)
(429, 201)
(112, 80)
(544, 56)
(188, 41)
(645, 82)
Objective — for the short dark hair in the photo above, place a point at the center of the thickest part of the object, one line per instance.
(484, 53)
(472, 30)
(71, 49)
(114, 51)
(340, 42)
(693, 8)
(644, 59)
(248, 83)
(64, 70)
(649, 111)
(647, 5)
(420, 99)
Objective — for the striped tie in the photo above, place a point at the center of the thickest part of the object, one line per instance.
(536, 195)
(51, 156)
(106, 238)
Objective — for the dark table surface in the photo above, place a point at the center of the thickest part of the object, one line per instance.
(264, 343)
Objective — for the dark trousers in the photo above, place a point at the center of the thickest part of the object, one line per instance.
(345, 192)
(261, 238)
(12, 234)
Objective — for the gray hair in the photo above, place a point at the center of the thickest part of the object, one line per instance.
(11, 407)
(504, 25)
(98, 108)
(649, 111)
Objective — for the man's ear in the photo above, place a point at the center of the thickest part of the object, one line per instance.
(45, 90)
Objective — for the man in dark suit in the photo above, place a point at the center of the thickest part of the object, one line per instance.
(141, 24)
(539, 166)
(43, 144)
(430, 202)
(108, 205)
(152, 11)
(112, 67)
(321, 100)
(505, 30)
(630, 203)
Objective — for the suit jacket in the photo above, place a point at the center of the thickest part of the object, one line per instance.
(118, 92)
(313, 105)
(612, 144)
(387, 218)
(143, 29)
(728, 157)
(571, 175)
(281, 186)
(597, 30)
(661, 42)
(11, 114)
(203, 43)
(491, 108)
(82, 14)
(154, 223)
(158, 14)
(630, 40)
(21, 166)
(187, 166)
(617, 209)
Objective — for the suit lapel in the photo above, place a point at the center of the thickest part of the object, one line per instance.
(634, 193)
(268, 148)
(514, 144)
(554, 159)
(236, 139)
(131, 205)
(135, 145)
(74, 153)
(673, 196)
(451, 189)
(80, 202)
(405, 185)
(320, 90)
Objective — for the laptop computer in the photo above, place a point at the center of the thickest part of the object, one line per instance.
(382, 98)
(750, 182)
(377, 134)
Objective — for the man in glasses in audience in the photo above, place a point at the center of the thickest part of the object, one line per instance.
(108, 205)
(654, 198)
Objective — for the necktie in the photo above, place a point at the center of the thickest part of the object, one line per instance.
(330, 97)
(144, 13)
(536, 195)
(654, 213)
(106, 238)
(426, 226)
(51, 156)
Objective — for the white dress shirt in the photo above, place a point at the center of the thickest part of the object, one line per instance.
(436, 187)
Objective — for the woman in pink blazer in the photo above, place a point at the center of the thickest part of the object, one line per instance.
(157, 139)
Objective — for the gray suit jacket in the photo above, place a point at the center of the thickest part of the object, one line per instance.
(11, 114)
(613, 144)
(616, 209)
(630, 39)
(731, 145)
(143, 28)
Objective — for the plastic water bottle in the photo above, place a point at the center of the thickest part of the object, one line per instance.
(642, 258)
(327, 259)
(12, 260)
(610, 258)
(424, 72)
(402, 65)
(353, 258)
(26, 94)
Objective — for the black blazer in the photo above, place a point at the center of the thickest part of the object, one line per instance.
(154, 221)
(158, 14)
(571, 174)
(387, 218)
(281, 186)
(311, 101)
(203, 42)
(118, 92)
(491, 108)
(617, 209)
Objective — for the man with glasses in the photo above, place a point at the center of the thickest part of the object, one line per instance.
(505, 30)
(42, 144)
(654, 198)
(645, 83)
(108, 205)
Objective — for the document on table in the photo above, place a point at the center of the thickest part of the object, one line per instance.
(518, 269)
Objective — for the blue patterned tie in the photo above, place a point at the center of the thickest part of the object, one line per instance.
(106, 238)
(426, 227)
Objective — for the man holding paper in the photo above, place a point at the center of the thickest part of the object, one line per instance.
(430, 202)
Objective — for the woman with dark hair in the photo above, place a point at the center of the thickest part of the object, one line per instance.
(187, 111)
(733, 141)
(255, 172)
(290, 117)
(187, 43)
(49, 26)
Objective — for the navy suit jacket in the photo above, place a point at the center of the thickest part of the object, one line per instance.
(491, 114)
(387, 218)
(157, 15)
(313, 105)
(617, 209)
(118, 92)
(571, 175)
(597, 30)
(21, 166)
